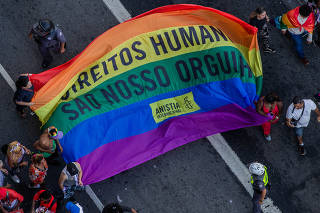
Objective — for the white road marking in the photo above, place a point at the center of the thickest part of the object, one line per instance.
(118, 199)
(7, 78)
(118, 10)
(94, 198)
(239, 169)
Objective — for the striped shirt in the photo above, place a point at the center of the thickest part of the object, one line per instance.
(309, 105)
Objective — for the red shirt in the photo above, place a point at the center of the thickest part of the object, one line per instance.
(12, 195)
(46, 205)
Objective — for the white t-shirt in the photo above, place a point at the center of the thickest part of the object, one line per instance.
(309, 105)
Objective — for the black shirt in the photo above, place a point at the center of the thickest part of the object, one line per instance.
(260, 24)
(24, 95)
(258, 187)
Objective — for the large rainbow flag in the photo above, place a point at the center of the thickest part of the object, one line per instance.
(153, 83)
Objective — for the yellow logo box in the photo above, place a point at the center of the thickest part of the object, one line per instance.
(170, 107)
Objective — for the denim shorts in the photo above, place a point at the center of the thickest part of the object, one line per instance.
(298, 131)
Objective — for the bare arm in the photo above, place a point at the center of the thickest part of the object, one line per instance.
(25, 74)
(60, 147)
(280, 107)
(288, 121)
(318, 114)
(33, 206)
(11, 162)
(263, 195)
(24, 163)
(80, 173)
(62, 48)
(24, 103)
(133, 210)
(26, 149)
(30, 35)
(260, 106)
(3, 210)
(62, 178)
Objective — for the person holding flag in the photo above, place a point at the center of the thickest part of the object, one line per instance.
(48, 144)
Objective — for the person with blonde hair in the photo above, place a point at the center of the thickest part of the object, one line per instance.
(16, 156)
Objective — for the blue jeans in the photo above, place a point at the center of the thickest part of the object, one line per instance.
(298, 44)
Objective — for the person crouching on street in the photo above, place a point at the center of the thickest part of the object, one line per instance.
(260, 19)
(298, 117)
(269, 106)
(70, 179)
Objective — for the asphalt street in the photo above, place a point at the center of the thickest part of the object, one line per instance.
(192, 178)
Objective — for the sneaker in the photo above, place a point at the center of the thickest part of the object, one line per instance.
(304, 61)
(15, 178)
(37, 186)
(269, 50)
(268, 137)
(302, 150)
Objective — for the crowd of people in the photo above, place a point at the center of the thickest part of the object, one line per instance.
(45, 151)
(302, 21)
(295, 24)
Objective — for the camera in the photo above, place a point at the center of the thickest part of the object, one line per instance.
(294, 122)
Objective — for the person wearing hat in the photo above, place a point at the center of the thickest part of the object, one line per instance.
(49, 38)
(23, 95)
(49, 145)
(116, 208)
(71, 179)
(259, 182)
(298, 117)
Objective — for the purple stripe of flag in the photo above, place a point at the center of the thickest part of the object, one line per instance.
(115, 157)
